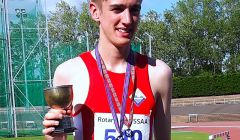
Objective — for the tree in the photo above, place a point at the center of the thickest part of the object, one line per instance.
(185, 33)
(63, 23)
(231, 37)
(87, 24)
(67, 24)
(195, 27)
(152, 24)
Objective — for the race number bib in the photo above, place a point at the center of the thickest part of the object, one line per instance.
(104, 128)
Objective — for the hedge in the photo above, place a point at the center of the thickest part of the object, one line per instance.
(206, 85)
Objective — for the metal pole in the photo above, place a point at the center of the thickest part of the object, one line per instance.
(10, 74)
(150, 46)
(150, 43)
(86, 33)
(140, 40)
(3, 42)
(21, 12)
(48, 47)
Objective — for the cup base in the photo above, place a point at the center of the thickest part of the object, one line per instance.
(65, 125)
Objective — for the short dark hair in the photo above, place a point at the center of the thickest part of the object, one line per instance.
(99, 2)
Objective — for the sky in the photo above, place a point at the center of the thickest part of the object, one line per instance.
(156, 5)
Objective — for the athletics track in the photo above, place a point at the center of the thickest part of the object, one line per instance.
(211, 127)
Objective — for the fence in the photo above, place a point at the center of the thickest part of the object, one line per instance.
(193, 118)
(232, 99)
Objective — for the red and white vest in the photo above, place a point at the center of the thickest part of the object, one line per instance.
(94, 120)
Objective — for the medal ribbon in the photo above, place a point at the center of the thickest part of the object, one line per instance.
(110, 90)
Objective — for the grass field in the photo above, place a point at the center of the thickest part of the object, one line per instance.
(176, 135)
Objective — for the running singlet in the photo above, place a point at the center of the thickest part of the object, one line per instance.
(94, 120)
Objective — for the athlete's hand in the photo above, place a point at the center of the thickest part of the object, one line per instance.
(51, 120)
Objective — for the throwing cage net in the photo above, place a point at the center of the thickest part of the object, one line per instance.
(26, 66)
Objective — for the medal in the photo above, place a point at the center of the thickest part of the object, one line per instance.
(111, 93)
(128, 132)
(120, 137)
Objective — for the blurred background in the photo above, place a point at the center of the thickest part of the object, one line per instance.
(198, 39)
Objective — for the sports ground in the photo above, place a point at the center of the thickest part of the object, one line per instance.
(211, 128)
(208, 115)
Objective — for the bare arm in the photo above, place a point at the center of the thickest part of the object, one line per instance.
(161, 82)
(50, 119)
(71, 72)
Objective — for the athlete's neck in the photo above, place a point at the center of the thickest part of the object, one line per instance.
(115, 58)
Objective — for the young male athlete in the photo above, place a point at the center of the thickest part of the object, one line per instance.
(118, 94)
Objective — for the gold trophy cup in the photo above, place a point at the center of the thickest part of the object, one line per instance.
(61, 97)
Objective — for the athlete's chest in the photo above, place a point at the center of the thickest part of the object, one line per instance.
(138, 93)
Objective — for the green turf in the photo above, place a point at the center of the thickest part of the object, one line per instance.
(177, 135)
(21, 133)
(24, 138)
(187, 135)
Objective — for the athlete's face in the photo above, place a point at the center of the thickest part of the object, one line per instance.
(118, 20)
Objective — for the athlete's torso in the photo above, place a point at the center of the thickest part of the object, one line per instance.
(94, 119)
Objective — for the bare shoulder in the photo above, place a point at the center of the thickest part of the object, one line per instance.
(160, 75)
(69, 69)
(159, 69)
(73, 72)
